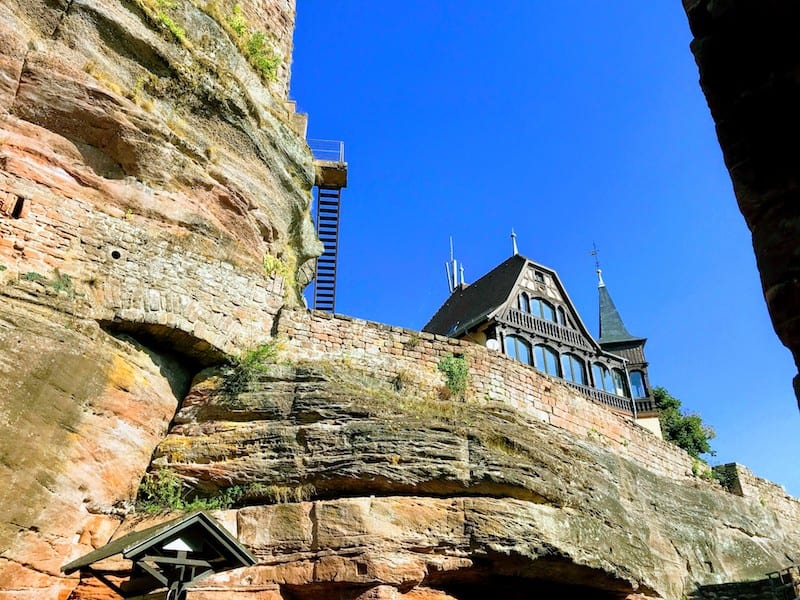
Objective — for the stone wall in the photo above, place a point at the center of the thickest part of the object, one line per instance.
(390, 352)
(120, 269)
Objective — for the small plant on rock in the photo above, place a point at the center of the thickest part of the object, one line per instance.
(245, 369)
(456, 374)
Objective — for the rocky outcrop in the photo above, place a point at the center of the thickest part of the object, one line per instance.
(147, 169)
(748, 53)
(457, 496)
(80, 414)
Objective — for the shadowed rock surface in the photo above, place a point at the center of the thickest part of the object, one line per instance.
(748, 54)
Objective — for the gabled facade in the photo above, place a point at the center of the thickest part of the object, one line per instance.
(523, 309)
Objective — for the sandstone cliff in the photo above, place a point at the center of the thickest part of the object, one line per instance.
(747, 53)
(149, 165)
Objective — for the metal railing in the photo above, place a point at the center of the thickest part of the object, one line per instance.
(546, 328)
(330, 150)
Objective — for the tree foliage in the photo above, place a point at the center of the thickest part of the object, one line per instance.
(686, 431)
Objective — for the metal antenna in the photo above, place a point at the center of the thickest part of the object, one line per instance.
(596, 253)
(452, 270)
(514, 242)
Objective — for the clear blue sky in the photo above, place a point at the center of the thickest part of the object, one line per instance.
(573, 122)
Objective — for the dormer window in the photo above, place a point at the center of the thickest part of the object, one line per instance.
(573, 369)
(620, 385)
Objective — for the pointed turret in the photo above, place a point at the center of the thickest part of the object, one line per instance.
(615, 338)
(612, 329)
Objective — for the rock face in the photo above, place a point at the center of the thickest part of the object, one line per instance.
(146, 171)
(154, 220)
(748, 52)
(356, 478)
(455, 496)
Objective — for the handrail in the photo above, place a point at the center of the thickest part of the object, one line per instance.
(330, 150)
(603, 397)
(547, 328)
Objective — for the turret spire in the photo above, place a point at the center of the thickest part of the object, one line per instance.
(596, 253)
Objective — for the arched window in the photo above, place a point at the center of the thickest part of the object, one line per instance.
(602, 378)
(562, 317)
(519, 349)
(546, 360)
(573, 369)
(637, 384)
(524, 303)
(620, 385)
(543, 309)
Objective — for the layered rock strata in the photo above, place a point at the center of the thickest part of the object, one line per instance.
(452, 497)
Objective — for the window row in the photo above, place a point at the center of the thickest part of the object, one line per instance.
(539, 307)
(573, 368)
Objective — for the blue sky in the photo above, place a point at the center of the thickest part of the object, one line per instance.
(572, 122)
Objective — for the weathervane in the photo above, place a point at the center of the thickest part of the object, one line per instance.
(596, 253)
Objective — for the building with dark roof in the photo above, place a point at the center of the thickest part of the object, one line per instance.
(523, 308)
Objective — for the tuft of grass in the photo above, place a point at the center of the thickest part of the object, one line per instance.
(245, 369)
(412, 342)
(34, 276)
(251, 42)
(277, 494)
(274, 266)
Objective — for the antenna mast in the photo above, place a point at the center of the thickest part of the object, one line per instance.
(452, 267)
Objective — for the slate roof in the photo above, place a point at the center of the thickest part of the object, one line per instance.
(469, 305)
(612, 329)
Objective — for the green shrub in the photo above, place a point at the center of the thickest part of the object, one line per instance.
(686, 431)
(164, 490)
(246, 368)
(456, 374)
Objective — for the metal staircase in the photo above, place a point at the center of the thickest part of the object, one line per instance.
(328, 212)
(331, 178)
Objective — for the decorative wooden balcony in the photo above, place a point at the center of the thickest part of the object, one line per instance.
(548, 329)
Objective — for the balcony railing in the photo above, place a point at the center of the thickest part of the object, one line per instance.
(602, 397)
(643, 405)
(527, 321)
(330, 150)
